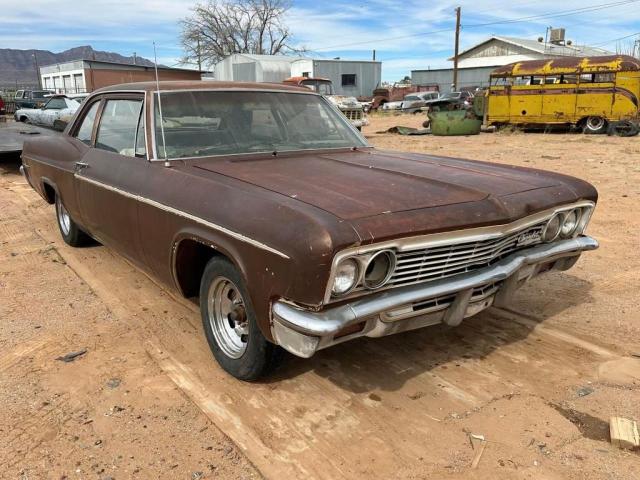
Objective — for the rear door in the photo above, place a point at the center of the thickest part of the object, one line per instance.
(112, 172)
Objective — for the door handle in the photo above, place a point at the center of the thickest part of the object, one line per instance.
(80, 166)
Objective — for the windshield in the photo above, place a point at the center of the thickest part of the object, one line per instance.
(40, 94)
(204, 123)
(451, 95)
(411, 98)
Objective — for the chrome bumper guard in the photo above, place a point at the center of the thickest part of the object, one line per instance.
(303, 332)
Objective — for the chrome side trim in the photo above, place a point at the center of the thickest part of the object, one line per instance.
(332, 320)
(186, 215)
(452, 238)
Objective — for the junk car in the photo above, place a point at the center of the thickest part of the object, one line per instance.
(265, 205)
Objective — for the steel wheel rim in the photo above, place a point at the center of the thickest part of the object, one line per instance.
(228, 317)
(595, 123)
(63, 218)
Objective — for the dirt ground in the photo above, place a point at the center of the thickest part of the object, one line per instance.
(539, 381)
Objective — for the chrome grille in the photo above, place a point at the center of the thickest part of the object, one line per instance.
(353, 114)
(427, 264)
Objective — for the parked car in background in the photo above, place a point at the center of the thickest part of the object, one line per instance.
(414, 102)
(31, 98)
(349, 106)
(388, 106)
(396, 93)
(450, 100)
(264, 202)
(2, 107)
(56, 107)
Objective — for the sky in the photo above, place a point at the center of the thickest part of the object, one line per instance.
(406, 35)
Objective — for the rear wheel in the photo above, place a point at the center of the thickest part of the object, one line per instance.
(595, 125)
(230, 324)
(71, 233)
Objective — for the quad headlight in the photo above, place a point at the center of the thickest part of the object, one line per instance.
(566, 224)
(370, 271)
(346, 276)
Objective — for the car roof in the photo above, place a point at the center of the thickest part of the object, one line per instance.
(202, 85)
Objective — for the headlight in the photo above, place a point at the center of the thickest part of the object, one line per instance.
(552, 229)
(379, 269)
(570, 223)
(345, 277)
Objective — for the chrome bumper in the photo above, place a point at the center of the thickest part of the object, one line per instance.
(303, 332)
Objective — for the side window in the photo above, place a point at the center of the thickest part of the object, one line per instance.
(19, 94)
(86, 127)
(118, 126)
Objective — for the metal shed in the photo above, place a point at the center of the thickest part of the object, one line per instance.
(246, 67)
(356, 78)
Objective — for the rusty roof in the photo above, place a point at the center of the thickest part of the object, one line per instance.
(605, 63)
(202, 85)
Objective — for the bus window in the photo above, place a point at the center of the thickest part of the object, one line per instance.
(537, 80)
(500, 81)
(604, 77)
(521, 80)
(569, 78)
(586, 78)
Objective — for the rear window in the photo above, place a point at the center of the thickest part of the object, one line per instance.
(40, 93)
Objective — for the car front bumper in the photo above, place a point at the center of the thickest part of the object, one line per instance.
(448, 300)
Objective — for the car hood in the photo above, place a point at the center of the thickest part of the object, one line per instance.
(354, 185)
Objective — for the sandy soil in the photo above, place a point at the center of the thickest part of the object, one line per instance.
(539, 381)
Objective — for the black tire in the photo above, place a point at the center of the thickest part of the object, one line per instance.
(623, 128)
(259, 356)
(594, 125)
(71, 233)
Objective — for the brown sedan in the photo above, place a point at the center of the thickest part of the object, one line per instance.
(265, 203)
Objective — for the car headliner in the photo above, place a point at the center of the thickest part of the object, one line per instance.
(202, 85)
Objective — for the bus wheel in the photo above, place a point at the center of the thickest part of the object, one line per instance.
(595, 125)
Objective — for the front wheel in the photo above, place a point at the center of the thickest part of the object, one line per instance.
(230, 324)
(595, 125)
(71, 233)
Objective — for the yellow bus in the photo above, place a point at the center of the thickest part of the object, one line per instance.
(587, 92)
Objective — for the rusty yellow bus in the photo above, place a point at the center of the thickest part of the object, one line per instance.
(588, 92)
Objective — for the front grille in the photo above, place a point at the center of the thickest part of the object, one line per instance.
(426, 264)
(353, 114)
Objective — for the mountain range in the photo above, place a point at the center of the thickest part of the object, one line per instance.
(18, 67)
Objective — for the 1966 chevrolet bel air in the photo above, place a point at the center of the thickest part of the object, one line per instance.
(264, 202)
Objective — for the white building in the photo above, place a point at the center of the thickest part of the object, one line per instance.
(246, 67)
(476, 63)
(357, 78)
(349, 77)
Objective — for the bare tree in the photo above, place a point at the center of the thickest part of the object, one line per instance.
(220, 28)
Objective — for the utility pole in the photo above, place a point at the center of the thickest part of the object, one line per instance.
(135, 58)
(35, 59)
(374, 55)
(454, 85)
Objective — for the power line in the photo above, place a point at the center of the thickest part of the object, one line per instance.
(530, 18)
(563, 13)
(616, 39)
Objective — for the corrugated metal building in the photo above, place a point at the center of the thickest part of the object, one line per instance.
(246, 67)
(476, 63)
(356, 78)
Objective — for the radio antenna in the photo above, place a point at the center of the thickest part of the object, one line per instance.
(164, 143)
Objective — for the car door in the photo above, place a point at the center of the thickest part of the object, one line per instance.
(112, 171)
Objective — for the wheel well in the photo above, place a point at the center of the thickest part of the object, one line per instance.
(49, 193)
(23, 118)
(191, 258)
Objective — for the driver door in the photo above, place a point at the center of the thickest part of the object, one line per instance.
(112, 172)
(49, 113)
